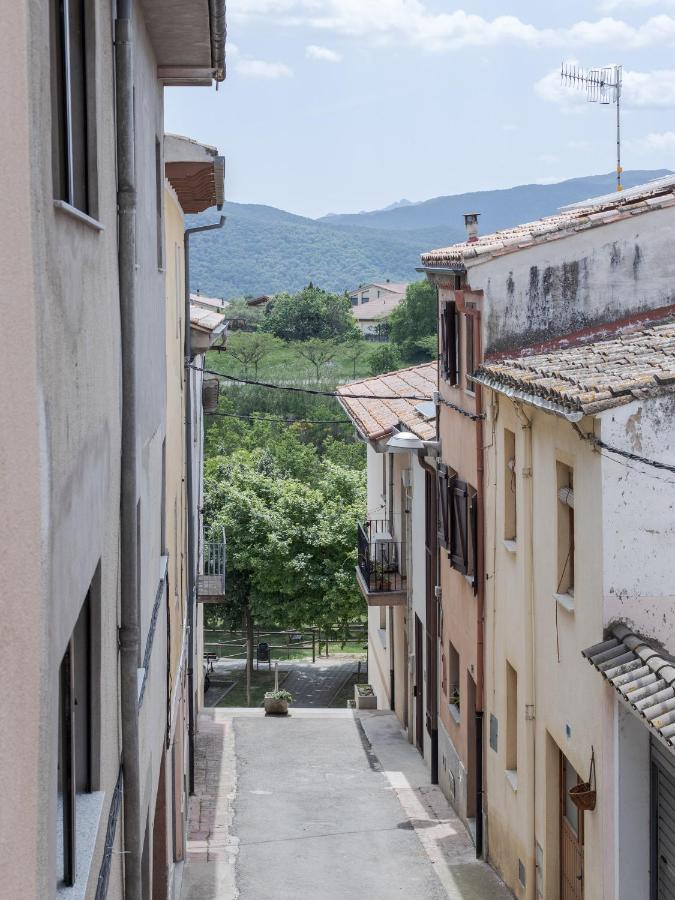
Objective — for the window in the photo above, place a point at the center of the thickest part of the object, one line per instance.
(70, 133)
(75, 738)
(565, 568)
(443, 506)
(364, 298)
(449, 349)
(159, 181)
(511, 718)
(469, 363)
(453, 678)
(509, 485)
(458, 522)
(354, 301)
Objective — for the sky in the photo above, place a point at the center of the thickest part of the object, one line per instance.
(346, 105)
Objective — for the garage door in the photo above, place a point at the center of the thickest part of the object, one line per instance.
(662, 823)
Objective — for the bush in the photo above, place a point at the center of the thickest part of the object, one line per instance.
(386, 358)
(311, 313)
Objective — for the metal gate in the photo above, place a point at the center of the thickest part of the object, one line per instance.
(662, 823)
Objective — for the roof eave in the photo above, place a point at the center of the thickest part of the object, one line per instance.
(571, 414)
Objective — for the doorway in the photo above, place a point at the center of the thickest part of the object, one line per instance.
(662, 819)
(419, 685)
(571, 836)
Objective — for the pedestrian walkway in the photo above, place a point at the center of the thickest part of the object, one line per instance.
(323, 804)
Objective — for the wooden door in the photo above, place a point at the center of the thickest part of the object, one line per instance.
(419, 685)
(571, 837)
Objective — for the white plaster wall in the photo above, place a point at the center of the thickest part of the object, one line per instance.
(595, 276)
(639, 519)
(632, 793)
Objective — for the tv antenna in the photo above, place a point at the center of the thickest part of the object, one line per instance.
(601, 86)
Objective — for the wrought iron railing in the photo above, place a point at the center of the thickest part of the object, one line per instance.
(214, 567)
(379, 557)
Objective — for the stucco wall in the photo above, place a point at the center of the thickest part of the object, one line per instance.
(577, 282)
(639, 520)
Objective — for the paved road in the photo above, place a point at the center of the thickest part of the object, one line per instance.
(311, 684)
(324, 805)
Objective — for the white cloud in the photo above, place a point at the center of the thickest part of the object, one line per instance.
(412, 21)
(655, 142)
(611, 5)
(258, 68)
(324, 54)
(640, 90)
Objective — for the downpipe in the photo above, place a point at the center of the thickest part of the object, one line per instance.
(129, 636)
(190, 497)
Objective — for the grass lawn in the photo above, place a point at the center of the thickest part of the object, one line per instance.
(261, 681)
(284, 364)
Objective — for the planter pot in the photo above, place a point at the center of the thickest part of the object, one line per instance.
(276, 707)
(364, 700)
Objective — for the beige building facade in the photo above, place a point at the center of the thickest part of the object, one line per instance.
(83, 713)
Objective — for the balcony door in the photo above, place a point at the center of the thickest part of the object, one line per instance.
(571, 836)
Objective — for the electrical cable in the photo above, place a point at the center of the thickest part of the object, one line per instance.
(626, 454)
(283, 387)
(283, 421)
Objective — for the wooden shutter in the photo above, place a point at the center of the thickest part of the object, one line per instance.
(459, 538)
(443, 506)
(451, 338)
(443, 341)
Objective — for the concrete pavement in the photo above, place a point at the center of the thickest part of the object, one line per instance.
(322, 804)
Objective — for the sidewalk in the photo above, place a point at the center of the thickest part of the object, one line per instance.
(325, 804)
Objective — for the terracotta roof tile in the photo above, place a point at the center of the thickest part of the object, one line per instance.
(377, 418)
(591, 377)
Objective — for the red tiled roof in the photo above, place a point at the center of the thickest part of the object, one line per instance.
(377, 418)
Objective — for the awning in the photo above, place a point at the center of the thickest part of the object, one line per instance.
(643, 677)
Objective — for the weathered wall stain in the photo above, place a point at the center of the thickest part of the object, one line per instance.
(637, 261)
(634, 430)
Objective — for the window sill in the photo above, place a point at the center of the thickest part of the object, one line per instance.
(510, 546)
(512, 778)
(453, 709)
(75, 213)
(566, 601)
(88, 809)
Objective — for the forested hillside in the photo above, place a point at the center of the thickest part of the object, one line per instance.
(265, 250)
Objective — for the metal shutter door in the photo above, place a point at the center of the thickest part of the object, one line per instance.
(663, 822)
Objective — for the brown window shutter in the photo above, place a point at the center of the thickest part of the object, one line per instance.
(459, 538)
(452, 364)
(473, 538)
(443, 506)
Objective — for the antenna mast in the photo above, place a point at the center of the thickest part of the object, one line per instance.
(601, 86)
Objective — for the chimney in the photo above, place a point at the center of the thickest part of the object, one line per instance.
(471, 223)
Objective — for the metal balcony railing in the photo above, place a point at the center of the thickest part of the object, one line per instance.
(379, 558)
(211, 585)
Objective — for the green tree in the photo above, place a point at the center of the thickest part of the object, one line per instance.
(311, 313)
(240, 313)
(353, 349)
(317, 352)
(250, 349)
(385, 358)
(415, 319)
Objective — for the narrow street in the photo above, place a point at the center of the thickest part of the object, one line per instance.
(325, 803)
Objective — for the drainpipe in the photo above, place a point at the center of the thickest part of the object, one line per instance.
(528, 574)
(191, 555)
(129, 636)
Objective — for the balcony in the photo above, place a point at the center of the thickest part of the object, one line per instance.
(378, 573)
(211, 582)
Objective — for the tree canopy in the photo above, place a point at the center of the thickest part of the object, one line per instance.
(385, 358)
(311, 313)
(415, 319)
(290, 521)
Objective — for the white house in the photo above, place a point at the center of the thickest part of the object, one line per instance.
(372, 303)
(392, 561)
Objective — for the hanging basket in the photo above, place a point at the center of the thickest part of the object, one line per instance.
(583, 795)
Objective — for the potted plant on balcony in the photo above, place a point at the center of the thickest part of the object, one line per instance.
(276, 701)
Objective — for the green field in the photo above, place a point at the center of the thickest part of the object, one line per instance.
(285, 365)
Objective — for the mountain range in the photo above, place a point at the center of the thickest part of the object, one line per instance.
(264, 250)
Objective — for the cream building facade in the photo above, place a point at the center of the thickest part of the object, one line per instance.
(83, 713)
(592, 270)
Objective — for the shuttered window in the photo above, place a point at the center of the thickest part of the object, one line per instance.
(463, 519)
(449, 351)
(443, 506)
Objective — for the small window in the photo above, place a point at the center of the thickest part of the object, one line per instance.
(511, 718)
(453, 677)
(449, 347)
(509, 485)
(74, 770)
(469, 363)
(565, 567)
(463, 521)
(70, 132)
(364, 298)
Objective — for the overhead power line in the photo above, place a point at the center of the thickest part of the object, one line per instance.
(283, 421)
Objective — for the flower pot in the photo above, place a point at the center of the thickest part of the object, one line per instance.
(582, 796)
(275, 707)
